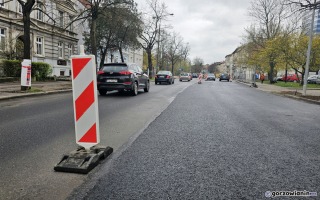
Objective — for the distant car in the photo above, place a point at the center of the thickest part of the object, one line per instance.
(224, 77)
(313, 78)
(164, 77)
(211, 77)
(291, 78)
(195, 75)
(184, 77)
(122, 77)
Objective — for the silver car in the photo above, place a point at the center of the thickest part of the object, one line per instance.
(184, 77)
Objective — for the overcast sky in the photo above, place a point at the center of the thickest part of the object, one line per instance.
(213, 28)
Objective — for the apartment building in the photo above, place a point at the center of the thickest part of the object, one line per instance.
(53, 40)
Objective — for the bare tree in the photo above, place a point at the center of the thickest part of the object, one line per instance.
(151, 28)
(173, 49)
(270, 16)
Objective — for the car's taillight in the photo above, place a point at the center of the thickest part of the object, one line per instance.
(127, 83)
(125, 72)
(100, 72)
(168, 76)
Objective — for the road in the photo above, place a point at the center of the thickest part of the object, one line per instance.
(218, 140)
(36, 132)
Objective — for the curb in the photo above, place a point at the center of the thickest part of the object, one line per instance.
(34, 94)
(285, 95)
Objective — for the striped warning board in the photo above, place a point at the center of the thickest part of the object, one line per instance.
(85, 100)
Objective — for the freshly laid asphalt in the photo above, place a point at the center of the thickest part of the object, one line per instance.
(216, 141)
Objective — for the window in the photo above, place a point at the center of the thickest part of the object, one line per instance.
(71, 24)
(39, 45)
(2, 3)
(60, 50)
(60, 18)
(2, 38)
(40, 12)
(70, 50)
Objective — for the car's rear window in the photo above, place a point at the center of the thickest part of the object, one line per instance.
(114, 68)
(184, 74)
(163, 72)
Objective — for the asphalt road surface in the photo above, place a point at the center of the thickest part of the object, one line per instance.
(35, 132)
(217, 140)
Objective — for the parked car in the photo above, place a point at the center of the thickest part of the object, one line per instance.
(224, 77)
(122, 77)
(184, 77)
(211, 77)
(318, 80)
(291, 78)
(164, 77)
(276, 79)
(313, 78)
(195, 75)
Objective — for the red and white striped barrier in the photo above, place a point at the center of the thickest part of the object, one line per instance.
(85, 100)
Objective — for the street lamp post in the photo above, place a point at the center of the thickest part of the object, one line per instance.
(158, 49)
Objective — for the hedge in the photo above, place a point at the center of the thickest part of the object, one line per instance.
(39, 70)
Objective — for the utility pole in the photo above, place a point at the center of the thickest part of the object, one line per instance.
(306, 73)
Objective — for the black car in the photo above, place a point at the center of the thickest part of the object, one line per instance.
(194, 75)
(164, 77)
(122, 77)
(224, 77)
(211, 77)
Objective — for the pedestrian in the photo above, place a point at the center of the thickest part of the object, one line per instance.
(261, 78)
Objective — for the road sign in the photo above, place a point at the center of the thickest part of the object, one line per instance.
(85, 100)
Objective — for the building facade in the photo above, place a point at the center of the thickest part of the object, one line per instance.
(53, 38)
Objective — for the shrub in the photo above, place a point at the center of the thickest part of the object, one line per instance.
(39, 70)
(11, 68)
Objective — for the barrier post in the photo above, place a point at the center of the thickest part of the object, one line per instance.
(86, 117)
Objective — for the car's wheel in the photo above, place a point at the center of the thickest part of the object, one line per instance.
(146, 89)
(156, 83)
(102, 92)
(180, 80)
(169, 82)
(134, 90)
(173, 82)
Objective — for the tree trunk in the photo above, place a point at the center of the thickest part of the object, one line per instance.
(121, 54)
(27, 7)
(93, 38)
(149, 62)
(272, 65)
(172, 67)
(103, 57)
(26, 36)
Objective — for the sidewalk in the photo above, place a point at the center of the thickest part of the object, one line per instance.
(11, 90)
(312, 95)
